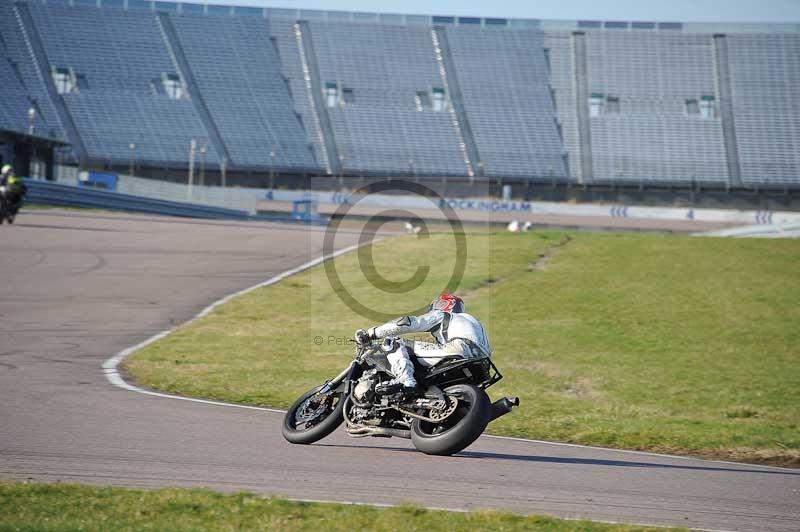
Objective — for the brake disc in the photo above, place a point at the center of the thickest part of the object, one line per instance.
(305, 414)
(440, 414)
(435, 415)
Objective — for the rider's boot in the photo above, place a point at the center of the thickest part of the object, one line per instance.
(408, 388)
(387, 387)
(412, 392)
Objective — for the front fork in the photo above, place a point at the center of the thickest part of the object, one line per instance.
(334, 383)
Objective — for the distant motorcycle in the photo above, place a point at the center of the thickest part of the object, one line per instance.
(10, 205)
(450, 413)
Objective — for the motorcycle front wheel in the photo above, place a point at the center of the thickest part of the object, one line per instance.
(458, 431)
(313, 416)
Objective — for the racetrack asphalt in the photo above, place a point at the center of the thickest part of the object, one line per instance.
(76, 288)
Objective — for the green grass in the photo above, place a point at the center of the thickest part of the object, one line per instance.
(660, 343)
(41, 507)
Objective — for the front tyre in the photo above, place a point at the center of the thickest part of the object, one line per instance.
(313, 416)
(460, 429)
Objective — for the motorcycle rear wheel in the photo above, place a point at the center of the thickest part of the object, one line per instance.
(312, 418)
(459, 430)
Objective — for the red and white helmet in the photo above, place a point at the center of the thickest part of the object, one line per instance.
(448, 303)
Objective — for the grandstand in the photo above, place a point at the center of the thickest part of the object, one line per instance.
(315, 93)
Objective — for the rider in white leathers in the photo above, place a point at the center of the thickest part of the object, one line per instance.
(457, 334)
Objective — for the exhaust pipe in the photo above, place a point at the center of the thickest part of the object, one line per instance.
(503, 406)
(364, 431)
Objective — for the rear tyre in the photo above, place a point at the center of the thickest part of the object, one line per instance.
(459, 430)
(312, 417)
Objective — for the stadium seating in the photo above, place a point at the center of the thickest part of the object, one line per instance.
(237, 69)
(378, 128)
(282, 30)
(118, 53)
(505, 82)
(765, 70)
(161, 129)
(122, 59)
(644, 132)
(14, 104)
(290, 90)
(17, 65)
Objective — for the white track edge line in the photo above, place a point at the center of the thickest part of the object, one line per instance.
(111, 371)
(111, 366)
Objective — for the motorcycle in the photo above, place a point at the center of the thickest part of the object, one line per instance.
(451, 411)
(9, 206)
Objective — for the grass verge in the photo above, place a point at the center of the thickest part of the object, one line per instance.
(29, 507)
(660, 343)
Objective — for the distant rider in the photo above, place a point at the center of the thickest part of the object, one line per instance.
(457, 334)
(11, 188)
(7, 171)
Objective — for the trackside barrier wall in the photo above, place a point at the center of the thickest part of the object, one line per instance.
(465, 207)
(248, 199)
(229, 198)
(71, 196)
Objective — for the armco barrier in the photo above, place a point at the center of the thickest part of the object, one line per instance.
(48, 193)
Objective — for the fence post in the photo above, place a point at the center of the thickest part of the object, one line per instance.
(192, 149)
(223, 169)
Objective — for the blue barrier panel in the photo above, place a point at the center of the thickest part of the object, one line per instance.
(99, 180)
(48, 193)
(305, 211)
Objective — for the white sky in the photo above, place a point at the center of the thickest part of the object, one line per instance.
(658, 10)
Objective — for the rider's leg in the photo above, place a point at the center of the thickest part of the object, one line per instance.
(402, 367)
(14, 202)
(427, 353)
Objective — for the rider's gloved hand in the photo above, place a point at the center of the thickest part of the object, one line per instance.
(363, 337)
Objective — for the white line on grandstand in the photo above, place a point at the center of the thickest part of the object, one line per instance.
(111, 371)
